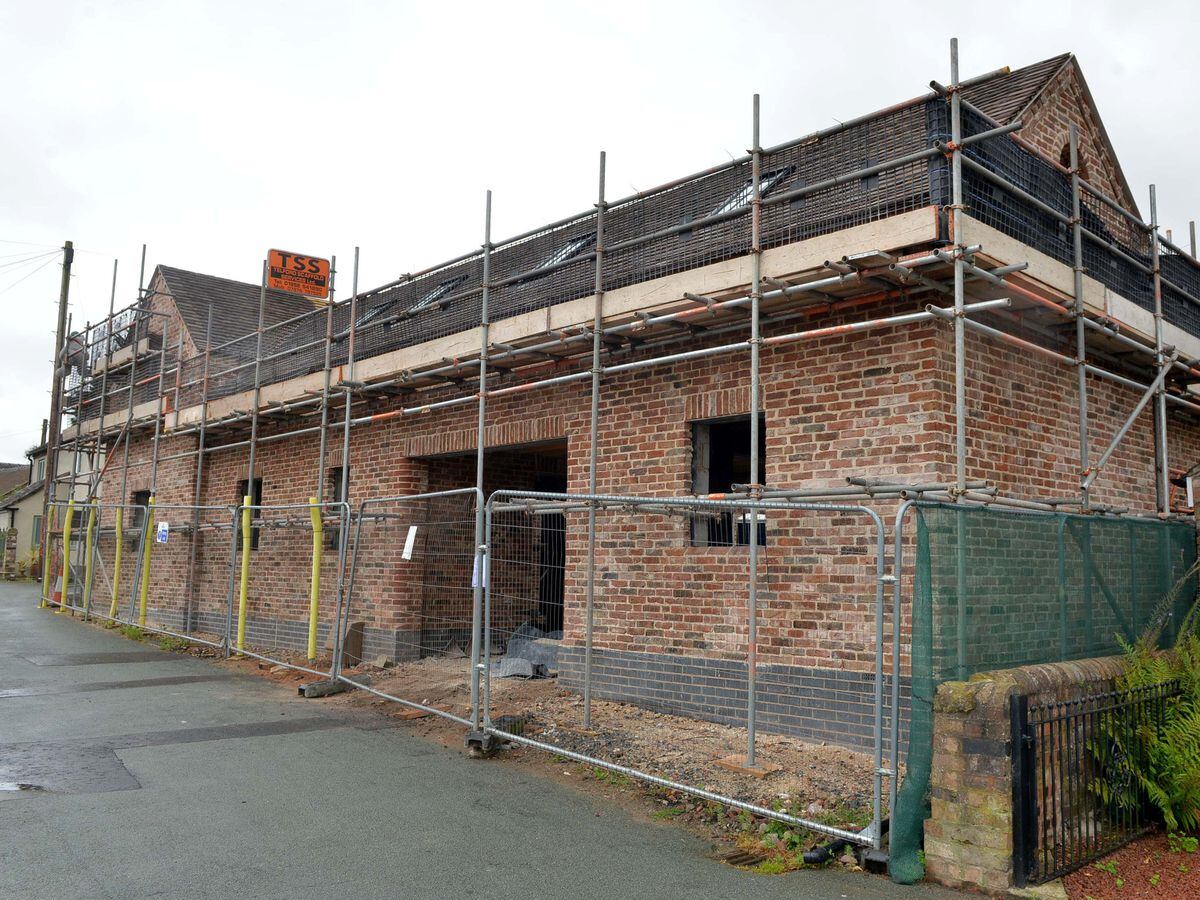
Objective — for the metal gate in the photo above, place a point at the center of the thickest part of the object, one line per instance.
(1076, 796)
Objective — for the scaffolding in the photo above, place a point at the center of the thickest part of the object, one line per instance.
(943, 152)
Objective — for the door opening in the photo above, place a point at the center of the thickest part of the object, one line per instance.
(552, 556)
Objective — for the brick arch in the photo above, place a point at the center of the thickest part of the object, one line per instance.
(1046, 125)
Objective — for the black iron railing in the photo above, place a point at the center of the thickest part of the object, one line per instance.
(1076, 795)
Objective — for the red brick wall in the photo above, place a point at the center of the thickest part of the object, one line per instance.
(1046, 125)
(877, 403)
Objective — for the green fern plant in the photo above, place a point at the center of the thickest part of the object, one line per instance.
(1162, 758)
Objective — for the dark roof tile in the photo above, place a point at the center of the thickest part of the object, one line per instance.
(18, 495)
(235, 307)
(1005, 96)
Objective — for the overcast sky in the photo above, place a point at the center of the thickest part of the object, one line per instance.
(213, 131)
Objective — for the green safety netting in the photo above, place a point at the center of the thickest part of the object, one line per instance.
(995, 589)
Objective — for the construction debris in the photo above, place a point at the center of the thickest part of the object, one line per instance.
(531, 653)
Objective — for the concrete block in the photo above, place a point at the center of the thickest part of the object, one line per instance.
(512, 667)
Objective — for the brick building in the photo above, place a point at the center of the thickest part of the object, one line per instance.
(853, 220)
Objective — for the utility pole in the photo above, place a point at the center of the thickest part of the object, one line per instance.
(50, 485)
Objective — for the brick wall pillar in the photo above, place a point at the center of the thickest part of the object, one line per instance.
(969, 834)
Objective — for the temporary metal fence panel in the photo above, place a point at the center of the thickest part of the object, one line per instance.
(88, 588)
(411, 596)
(177, 581)
(116, 555)
(666, 675)
(60, 558)
(1076, 792)
(284, 598)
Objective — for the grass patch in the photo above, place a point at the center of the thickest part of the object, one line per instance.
(787, 843)
(667, 813)
(172, 644)
(774, 866)
(1182, 843)
(133, 632)
(606, 776)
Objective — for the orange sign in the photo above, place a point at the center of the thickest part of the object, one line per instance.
(298, 273)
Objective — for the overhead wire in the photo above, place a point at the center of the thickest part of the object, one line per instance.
(28, 259)
(27, 276)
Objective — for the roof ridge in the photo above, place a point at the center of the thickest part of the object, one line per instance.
(1005, 96)
(165, 268)
(1064, 60)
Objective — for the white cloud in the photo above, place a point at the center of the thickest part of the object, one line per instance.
(213, 130)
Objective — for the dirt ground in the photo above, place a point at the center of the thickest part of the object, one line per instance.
(1158, 865)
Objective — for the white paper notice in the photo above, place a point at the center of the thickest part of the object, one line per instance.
(409, 541)
(475, 572)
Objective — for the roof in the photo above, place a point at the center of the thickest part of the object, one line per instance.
(445, 300)
(12, 475)
(1006, 96)
(234, 306)
(651, 234)
(17, 496)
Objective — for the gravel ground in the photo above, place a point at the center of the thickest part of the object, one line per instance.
(1148, 867)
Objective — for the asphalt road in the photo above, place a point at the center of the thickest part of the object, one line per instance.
(162, 775)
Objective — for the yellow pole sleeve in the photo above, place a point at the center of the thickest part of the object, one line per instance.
(88, 545)
(318, 538)
(245, 582)
(116, 578)
(47, 528)
(147, 543)
(66, 569)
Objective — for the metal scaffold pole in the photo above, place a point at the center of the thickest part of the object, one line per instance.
(73, 480)
(128, 432)
(1080, 329)
(198, 493)
(1161, 462)
(94, 487)
(324, 433)
(755, 486)
(960, 371)
(349, 383)
(257, 394)
(479, 658)
(248, 498)
(343, 603)
(158, 414)
(178, 377)
(77, 443)
(960, 353)
(593, 449)
(137, 338)
(322, 446)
